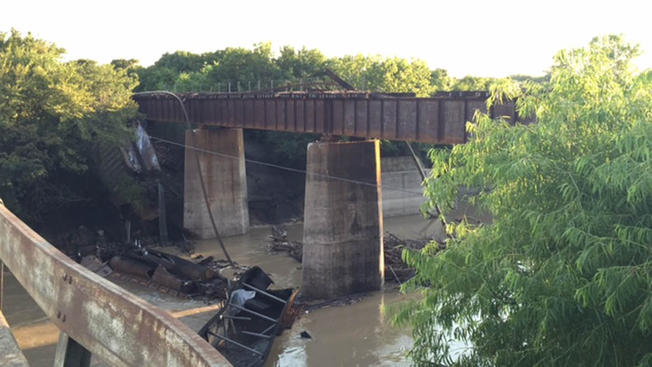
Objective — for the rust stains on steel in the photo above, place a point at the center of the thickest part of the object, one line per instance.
(115, 325)
(436, 120)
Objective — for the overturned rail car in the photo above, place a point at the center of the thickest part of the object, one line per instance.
(244, 330)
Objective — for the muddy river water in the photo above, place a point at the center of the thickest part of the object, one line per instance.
(356, 334)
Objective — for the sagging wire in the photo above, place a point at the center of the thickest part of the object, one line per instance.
(201, 176)
(285, 168)
(422, 172)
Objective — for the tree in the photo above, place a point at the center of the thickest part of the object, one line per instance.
(125, 64)
(302, 64)
(52, 114)
(384, 74)
(472, 83)
(563, 274)
(440, 80)
(131, 66)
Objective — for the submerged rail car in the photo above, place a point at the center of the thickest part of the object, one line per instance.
(244, 330)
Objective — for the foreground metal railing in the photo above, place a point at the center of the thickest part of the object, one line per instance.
(94, 315)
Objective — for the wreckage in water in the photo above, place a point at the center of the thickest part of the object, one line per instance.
(243, 331)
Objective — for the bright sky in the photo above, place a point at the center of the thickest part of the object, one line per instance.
(482, 38)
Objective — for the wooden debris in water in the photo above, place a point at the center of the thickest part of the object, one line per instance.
(395, 269)
(279, 242)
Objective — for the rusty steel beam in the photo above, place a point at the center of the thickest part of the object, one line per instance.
(118, 327)
(437, 120)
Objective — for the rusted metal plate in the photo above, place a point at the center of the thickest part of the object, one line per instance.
(437, 120)
(473, 106)
(406, 120)
(505, 111)
(115, 325)
(388, 119)
(452, 121)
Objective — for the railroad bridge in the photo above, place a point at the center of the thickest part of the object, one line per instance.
(343, 207)
(342, 222)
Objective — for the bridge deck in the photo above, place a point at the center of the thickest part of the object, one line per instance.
(436, 120)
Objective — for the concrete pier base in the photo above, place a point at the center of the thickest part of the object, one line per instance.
(342, 230)
(225, 179)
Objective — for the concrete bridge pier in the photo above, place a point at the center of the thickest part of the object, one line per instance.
(343, 226)
(225, 180)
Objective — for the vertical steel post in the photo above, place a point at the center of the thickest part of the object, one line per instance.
(128, 231)
(70, 353)
(162, 215)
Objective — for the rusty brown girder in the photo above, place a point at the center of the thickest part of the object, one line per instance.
(115, 325)
(437, 120)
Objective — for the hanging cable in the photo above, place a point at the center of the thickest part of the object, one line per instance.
(422, 172)
(198, 164)
(285, 168)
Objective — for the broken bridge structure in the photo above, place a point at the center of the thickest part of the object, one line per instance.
(343, 229)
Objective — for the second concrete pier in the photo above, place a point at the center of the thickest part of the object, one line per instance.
(221, 157)
(342, 235)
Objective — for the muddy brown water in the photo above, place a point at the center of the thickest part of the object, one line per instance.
(357, 334)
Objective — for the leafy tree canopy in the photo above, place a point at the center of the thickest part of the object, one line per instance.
(51, 115)
(239, 69)
(244, 68)
(563, 274)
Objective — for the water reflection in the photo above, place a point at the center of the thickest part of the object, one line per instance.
(353, 335)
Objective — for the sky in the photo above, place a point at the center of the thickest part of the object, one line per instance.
(482, 38)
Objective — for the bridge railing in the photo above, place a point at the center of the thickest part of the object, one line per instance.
(95, 315)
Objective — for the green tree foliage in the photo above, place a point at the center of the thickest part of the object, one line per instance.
(165, 73)
(440, 80)
(241, 67)
(384, 74)
(131, 66)
(51, 115)
(563, 274)
(472, 83)
(301, 64)
(244, 68)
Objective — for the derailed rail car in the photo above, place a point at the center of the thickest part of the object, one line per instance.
(244, 330)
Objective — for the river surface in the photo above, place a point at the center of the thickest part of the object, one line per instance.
(356, 334)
